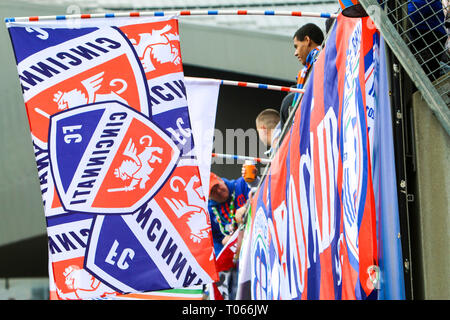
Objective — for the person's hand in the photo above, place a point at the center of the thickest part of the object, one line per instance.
(225, 239)
(255, 171)
(240, 214)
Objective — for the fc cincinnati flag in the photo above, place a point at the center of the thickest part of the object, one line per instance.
(110, 127)
(313, 228)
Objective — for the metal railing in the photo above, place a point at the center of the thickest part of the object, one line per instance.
(418, 35)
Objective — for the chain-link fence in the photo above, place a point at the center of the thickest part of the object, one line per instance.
(424, 26)
(417, 31)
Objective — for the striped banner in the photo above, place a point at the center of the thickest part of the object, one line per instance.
(260, 86)
(111, 94)
(250, 85)
(175, 13)
(237, 157)
(313, 222)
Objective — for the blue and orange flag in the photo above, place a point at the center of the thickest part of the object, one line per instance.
(313, 222)
(121, 188)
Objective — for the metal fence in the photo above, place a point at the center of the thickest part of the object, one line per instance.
(424, 27)
(417, 32)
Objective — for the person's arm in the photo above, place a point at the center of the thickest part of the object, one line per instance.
(238, 216)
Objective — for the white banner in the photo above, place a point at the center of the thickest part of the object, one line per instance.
(202, 96)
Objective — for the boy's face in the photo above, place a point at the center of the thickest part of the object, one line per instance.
(264, 134)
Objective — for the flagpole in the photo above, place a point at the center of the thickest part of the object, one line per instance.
(176, 13)
(237, 157)
(250, 85)
(260, 86)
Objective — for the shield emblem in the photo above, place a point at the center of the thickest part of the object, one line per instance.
(107, 158)
(115, 74)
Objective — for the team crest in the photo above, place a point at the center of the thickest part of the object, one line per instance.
(91, 85)
(114, 73)
(75, 283)
(182, 199)
(101, 152)
(158, 48)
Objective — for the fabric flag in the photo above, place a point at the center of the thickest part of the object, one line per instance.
(390, 282)
(244, 262)
(314, 220)
(225, 261)
(214, 292)
(111, 131)
(202, 96)
(225, 258)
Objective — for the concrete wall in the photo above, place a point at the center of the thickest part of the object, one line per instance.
(242, 51)
(433, 192)
(21, 211)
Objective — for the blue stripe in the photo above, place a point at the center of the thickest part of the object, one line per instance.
(27, 44)
(390, 249)
(213, 12)
(269, 12)
(262, 86)
(10, 19)
(60, 17)
(109, 15)
(159, 13)
(325, 15)
(67, 218)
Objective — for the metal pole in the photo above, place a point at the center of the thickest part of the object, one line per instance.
(176, 13)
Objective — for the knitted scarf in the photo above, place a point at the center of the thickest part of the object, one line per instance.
(301, 78)
(224, 217)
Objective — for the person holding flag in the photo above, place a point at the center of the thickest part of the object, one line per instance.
(226, 198)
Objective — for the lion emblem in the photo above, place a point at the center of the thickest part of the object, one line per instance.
(83, 285)
(198, 222)
(75, 97)
(199, 225)
(138, 168)
(157, 46)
